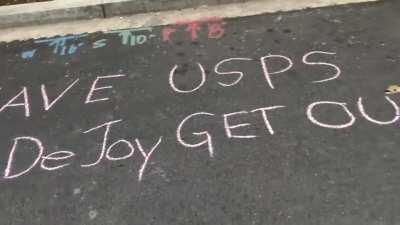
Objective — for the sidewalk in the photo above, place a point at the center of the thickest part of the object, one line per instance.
(61, 10)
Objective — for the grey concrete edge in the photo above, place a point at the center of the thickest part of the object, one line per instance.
(55, 11)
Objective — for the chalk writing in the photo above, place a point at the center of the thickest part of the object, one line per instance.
(172, 83)
(134, 36)
(369, 118)
(46, 104)
(40, 153)
(99, 43)
(310, 115)
(28, 54)
(89, 98)
(22, 98)
(351, 117)
(207, 141)
(10, 161)
(264, 63)
(307, 62)
(230, 73)
(268, 73)
(192, 131)
(71, 44)
(61, 45)
(215, 29)
(24, 104)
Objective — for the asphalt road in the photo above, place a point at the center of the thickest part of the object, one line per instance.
(272, 119)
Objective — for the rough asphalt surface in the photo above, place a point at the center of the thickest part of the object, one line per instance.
(304, 174)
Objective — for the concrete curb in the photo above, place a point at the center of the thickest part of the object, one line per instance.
(62, 11)
(249, 8)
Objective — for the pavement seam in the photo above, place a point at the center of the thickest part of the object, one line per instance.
(103, 9)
